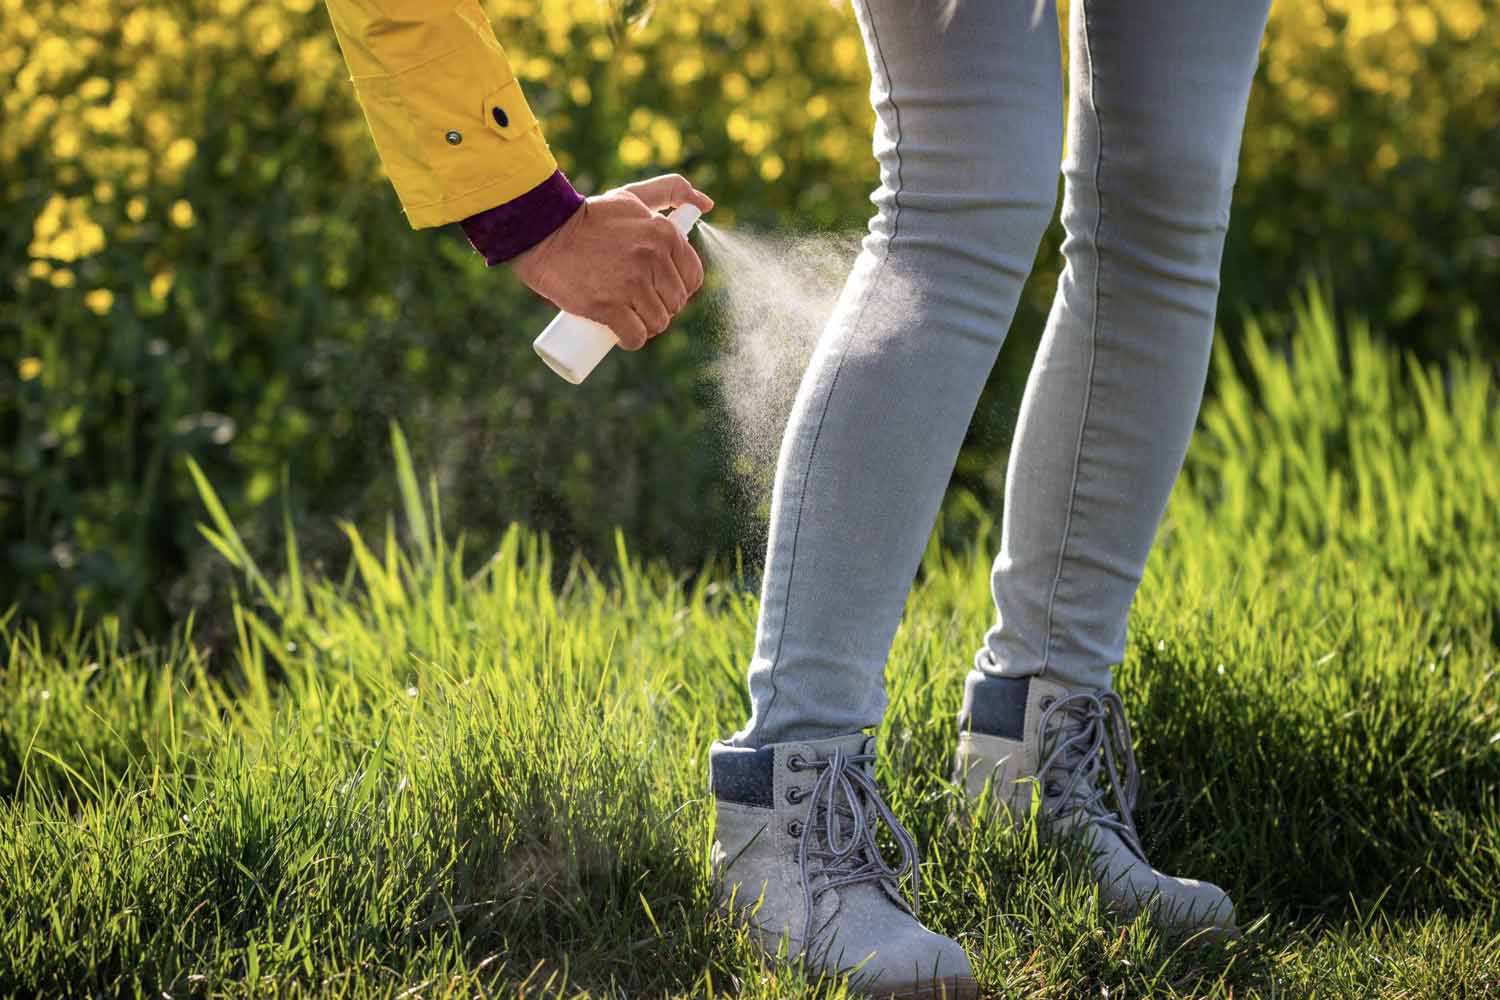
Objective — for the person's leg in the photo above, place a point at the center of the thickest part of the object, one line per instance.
(1156, 108)
(968, 138)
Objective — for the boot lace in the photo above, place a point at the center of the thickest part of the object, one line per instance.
(1082, 770)
(837, 841)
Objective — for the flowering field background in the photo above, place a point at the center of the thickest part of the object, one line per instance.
(203, 258)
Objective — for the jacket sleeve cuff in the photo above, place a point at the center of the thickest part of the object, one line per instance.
(511, 229)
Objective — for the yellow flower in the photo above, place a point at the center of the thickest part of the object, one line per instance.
(100, 300)
(735, 86)
(50, 220)
(63, 278)
(634, 151)
(93, 88)
(65, 246)
(772, 167)
(758, 63)
(687, 70)
(135, 209)
(161, 284)
(182, 213)
(39, 268)
(180, 153)
(668, 141)
(159, 126)
(847, 55)
(757, 137)
(29, 368)
(1423, 24)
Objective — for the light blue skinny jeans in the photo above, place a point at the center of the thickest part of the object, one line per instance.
(969, 134)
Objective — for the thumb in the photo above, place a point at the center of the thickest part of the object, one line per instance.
(669, 191)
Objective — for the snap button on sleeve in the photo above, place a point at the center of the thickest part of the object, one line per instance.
(501, 118)
(454, 137)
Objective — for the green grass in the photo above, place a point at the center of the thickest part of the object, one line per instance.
(429, 778)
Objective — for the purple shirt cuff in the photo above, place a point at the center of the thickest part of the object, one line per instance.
(511, 229)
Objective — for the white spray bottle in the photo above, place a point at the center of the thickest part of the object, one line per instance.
(572, 345)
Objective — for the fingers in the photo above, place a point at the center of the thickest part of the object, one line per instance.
(669, 191)
(669, 288)
(647, 300)
(688, 267)
(628, 328)
(666, 274)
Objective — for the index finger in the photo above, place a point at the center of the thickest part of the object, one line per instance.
(669, 191)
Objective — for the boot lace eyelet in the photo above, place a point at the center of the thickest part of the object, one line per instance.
(1047, 702)
(795, 795)
(794, 828)
(795, 762)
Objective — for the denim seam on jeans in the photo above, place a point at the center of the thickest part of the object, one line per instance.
(1088, 393)
(854, 328)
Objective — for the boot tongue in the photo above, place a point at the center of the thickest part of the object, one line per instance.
(852, 745)
(1077, 733)
(840, 840)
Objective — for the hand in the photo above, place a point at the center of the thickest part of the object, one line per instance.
(618, 262)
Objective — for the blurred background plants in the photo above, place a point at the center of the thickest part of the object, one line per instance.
(203, 259)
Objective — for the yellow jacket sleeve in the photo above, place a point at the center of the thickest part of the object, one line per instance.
(446, 111)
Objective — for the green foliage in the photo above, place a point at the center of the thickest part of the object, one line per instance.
(1372, 157)
(418, 779)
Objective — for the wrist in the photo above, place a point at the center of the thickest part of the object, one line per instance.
(506, 231)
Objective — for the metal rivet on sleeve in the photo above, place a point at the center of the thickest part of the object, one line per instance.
(454, 137)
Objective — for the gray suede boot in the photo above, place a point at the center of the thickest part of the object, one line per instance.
(795, 856)
(1020, 734)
